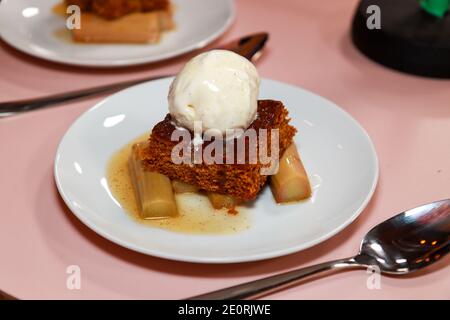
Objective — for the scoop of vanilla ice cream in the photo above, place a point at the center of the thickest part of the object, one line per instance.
(219, 88)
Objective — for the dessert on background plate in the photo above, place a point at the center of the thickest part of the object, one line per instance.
(44, 32)
(121, 21)
(217, 140)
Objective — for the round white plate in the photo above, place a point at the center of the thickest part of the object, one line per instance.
(32, 27)
(338, 154)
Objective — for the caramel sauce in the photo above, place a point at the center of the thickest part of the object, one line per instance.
(60, 9)
(196, 215)
(64, 35)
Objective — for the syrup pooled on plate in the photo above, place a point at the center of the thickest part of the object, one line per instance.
(196, 215)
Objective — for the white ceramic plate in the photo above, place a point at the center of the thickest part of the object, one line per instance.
(337, 152)
(32, 27)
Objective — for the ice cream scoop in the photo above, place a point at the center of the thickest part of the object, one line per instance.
(219, 88)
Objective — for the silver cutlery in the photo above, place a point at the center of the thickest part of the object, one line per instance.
(249, 47)
(410, 241)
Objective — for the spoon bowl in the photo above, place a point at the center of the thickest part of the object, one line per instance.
(411, 240)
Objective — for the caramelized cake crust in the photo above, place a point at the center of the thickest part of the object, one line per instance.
(113, 9)
(242, 181)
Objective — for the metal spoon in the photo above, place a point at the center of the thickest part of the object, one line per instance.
(410, 241)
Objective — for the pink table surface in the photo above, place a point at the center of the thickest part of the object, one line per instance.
(407, 117)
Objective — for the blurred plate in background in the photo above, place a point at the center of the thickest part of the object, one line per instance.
(33, 27)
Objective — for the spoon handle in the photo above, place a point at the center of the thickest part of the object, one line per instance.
(271, 284)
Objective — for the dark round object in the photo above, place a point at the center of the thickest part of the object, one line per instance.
(410, 39)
